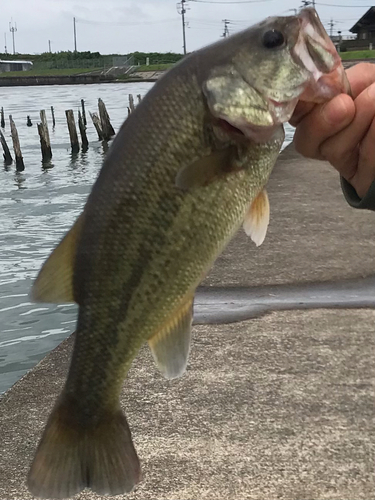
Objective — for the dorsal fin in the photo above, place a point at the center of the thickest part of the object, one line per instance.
(257, 218)
(54, 282)
(170, 346)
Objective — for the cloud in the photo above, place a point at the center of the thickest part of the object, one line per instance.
(149, 25)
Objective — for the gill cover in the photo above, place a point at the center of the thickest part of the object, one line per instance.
(229, 97)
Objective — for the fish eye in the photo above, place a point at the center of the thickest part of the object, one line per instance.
(273, 39)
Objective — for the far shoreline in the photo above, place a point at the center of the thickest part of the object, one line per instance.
(91, 78)
(28, 81)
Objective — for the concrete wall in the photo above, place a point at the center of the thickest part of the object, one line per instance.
(53, 80)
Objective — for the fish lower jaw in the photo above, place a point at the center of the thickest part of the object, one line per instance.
(242, 130)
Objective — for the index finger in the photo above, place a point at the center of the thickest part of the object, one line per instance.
(302, 109)
(324, 121)
(360, 77)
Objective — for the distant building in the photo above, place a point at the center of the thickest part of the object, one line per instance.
(15, 65)
(364, 32)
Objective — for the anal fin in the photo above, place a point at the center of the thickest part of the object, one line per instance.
(257, 218)
(170, 346)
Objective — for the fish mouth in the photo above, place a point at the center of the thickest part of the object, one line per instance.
(241, 129)
(316, 54)
(315, 51)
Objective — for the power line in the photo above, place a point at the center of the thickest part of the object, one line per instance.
(345, 6)
(87, 21)
(231, 3)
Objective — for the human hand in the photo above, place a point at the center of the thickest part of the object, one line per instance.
(342, 131)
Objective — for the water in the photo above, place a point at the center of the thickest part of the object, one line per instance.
(38, 206)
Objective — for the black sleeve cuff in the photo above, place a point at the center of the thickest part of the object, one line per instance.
(351, 196)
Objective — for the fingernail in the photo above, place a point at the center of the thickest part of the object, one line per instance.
(334, 111)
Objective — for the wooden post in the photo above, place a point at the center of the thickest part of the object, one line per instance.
(2, 121)
(44, 137)
(72, 130)
(7, 156)
(53, 117)
(131, 103)
(139, 97)
(107, 128)
(128, 110)
(96, 121)
(83, 113)
(82, 129)
(16, 146)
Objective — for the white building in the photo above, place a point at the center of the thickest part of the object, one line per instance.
(15, 65)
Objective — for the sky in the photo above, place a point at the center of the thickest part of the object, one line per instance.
(123, 26)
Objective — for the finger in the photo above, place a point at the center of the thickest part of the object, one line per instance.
(302, 109)
(365, 172)
(324, 121)
(360, 77)
(341, 150)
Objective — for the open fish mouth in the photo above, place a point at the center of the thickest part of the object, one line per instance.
(316, 52)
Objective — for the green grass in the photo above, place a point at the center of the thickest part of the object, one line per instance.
(153, 67)
(357, 54)
(48, 72)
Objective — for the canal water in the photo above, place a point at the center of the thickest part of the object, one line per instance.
(38, 206)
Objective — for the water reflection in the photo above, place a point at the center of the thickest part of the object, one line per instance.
(105, 147)
(46, 165)
(74, 159)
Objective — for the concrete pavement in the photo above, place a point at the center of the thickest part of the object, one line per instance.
(279, 407)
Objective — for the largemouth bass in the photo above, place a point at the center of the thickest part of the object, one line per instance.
(187, 168)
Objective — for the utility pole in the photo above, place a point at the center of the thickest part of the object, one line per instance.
(13, 29)
(75, 34)
(226, 29)
(49, 46)
(182, 10)
(331, 25)
(6, 49)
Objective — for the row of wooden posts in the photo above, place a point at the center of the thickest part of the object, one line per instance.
(101, 123)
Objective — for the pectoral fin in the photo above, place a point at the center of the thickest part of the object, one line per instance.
(257, 218)
(205, 170)
(55, 280)
(170, 346)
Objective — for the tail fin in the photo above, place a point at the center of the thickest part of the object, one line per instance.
(71, 456)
